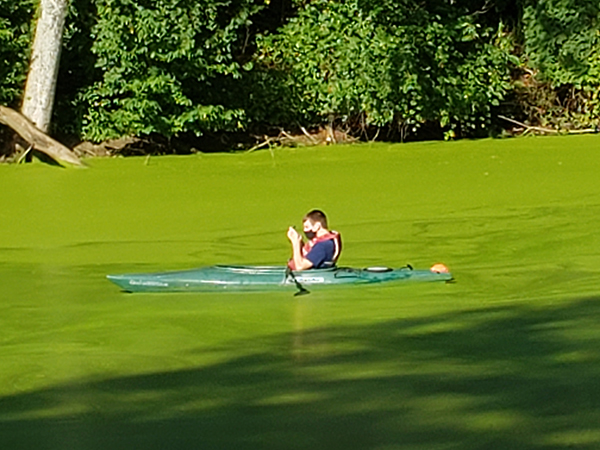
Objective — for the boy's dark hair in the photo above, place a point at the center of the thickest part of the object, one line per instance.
(316, 215)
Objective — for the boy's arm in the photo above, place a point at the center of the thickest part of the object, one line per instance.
(300, 262)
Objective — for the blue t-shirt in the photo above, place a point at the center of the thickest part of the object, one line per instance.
(321, 255)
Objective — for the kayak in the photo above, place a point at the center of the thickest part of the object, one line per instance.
(243, 278)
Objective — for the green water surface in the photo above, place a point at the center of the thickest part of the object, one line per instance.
(508, 357)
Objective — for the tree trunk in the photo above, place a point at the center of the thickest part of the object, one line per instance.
(45, 57)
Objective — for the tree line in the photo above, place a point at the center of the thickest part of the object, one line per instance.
(393, 69)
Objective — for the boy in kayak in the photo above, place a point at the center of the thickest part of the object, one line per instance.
(323, 247)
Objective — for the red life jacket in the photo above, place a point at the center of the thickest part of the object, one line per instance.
(337, 244)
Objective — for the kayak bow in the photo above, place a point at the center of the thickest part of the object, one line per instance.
(242, 278)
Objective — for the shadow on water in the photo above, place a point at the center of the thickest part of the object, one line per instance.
(505, 377)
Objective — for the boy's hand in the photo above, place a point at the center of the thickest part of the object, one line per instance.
(293, 235)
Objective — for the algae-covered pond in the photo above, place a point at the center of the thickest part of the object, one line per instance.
(507, 357)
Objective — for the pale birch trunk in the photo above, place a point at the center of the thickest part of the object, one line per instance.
(45, 57)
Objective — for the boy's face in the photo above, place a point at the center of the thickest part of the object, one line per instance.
(308, 226)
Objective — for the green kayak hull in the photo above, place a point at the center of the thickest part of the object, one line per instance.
(245, 278)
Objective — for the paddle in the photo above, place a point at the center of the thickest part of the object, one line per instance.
(301, 289)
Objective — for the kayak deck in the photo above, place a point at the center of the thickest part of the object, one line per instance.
(240, 277)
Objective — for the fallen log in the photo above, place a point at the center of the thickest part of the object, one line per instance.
(37, 139)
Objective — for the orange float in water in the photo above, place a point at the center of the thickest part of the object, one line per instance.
(439, 268)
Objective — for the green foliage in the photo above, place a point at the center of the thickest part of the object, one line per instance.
(15, 35)
(562, 47)
(310, 57)
(562, 40)
(175, 67)
(160, 65)
(390, 63)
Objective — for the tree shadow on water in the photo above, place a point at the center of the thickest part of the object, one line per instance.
(506, 377)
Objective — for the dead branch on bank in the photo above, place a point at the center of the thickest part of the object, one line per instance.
(529, 128)
(320, 136)
(37, 139)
